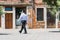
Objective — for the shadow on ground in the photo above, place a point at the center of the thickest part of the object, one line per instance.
(4, 33)
(54, 31)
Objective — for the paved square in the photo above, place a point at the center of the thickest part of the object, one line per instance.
(33, 34)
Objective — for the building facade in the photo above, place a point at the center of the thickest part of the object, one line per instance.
(12, 10)
(38, 14)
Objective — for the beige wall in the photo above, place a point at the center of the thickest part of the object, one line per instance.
(35, 23)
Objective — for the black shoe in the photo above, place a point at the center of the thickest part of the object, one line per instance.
(25, 33)
(19, 31)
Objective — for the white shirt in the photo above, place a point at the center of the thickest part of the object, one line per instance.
(23, 16)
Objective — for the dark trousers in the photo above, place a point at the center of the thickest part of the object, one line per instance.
(23, 26)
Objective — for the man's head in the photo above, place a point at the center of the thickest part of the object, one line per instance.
(23, 11)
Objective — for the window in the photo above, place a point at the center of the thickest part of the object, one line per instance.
(40, 14)
(8, 8)
(22, 0)
(4, 0)
(59, 16)
(30, 1)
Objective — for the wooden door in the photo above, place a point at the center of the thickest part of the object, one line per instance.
(8, 20)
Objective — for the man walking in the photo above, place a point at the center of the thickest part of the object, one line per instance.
(23, 19)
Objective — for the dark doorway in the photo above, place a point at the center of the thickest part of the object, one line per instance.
(18, 13)
(51, 20)
(19, 10)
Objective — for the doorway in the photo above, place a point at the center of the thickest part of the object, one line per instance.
(51, 20)
(18, 11)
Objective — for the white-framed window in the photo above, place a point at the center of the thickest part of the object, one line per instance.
(40, 14)
(59, 14)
